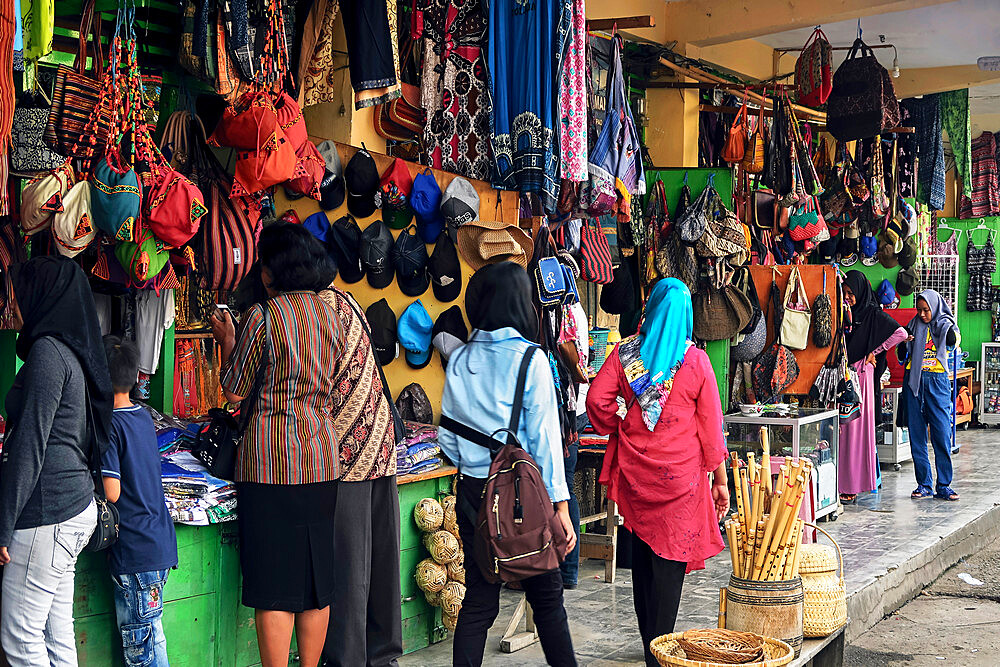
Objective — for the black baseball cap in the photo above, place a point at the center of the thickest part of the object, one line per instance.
(449, 332)
(409, 257)
(382, 321)
(331, 188)
(362, 178)
(376, 244)
(445, 270)
(344, 246)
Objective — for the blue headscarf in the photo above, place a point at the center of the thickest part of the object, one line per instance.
(942, 321)
(667, 329)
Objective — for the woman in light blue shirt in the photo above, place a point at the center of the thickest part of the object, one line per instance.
(479, 391)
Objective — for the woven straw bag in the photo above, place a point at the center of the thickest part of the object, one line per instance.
(824, 609)
(668, 652)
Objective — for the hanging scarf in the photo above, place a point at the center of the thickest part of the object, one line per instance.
(651, 359)
(942, 321)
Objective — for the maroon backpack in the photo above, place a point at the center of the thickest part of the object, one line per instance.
(518, 533)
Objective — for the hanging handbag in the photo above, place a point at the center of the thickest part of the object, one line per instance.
(863, 101)
(43, 197)
(115, 198)
(596, 265)
(797, 314)
(736, 142)
(721, 314)
(724, 239)
(28, 151)
(777, 173)
(230, 238)
(754, 335)
(822, 318)
(753, 152)
(880, 200)
(814, 70)
(75, 95)
(218, 442)
(804, 221)
(106, 530)
(776, 368)
(402, 119)
(693, 223)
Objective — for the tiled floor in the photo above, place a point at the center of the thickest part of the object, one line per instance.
(882, 531)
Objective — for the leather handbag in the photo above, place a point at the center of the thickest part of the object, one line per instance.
(106, 531)
(753, 153)
(776, 368)
(814, 70)
(764, 209)
(76, 93)
(797, 314)
(736, 142)
(863, 101)
(596, 265)
(720, 314)
(402, 119)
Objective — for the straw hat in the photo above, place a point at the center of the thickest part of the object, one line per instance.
(483, 242)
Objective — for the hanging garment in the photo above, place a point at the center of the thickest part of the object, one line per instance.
(454, 86)
(38, 23)
(317, 70)
(526, 41)
(906, 156)
(955, 121)
(369, 26)
(573, 100)
(926, 120)
(154, 315)
(985, 197)
(981, 263)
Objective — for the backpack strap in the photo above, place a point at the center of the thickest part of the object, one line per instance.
(490, 441)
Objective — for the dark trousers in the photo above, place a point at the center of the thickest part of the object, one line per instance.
(482, 599)
(570, 567)
(365, 617)
(656, 589)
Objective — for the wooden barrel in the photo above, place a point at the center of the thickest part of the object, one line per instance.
(769, 608)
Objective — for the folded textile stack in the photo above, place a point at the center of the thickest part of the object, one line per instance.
(418, 452)
(193, 496)
(589, 439)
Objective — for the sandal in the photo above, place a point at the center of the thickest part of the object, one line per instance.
(848, 498)
(922, 492)
(946, 493)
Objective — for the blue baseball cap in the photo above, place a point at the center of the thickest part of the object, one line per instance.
(318, 225)
(414, 331)
(425, 200)
(869, 248)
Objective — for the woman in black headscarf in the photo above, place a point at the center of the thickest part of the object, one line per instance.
(479, 392)
(872, 332)
(47, 510)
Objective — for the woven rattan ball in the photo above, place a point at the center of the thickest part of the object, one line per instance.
(433, 599)
(452, 597)
(456, 572)
(449, 502)
(443, 546)
(449, 622)
(428, 515)
(431, 576)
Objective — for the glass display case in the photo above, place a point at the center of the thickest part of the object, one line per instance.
(989, 397)
(892, 442)
(810, 433)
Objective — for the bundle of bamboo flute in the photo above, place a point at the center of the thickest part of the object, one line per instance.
(765, 534)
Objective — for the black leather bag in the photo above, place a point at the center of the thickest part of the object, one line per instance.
(218, 442)
(106, 532)
(863, 102)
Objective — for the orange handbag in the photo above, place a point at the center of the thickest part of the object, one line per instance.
(736, 143)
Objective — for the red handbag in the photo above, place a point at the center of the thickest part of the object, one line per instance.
(403, 118)
(258, 170)
(309, 170)
(247, 124)
(174, 207)
(290, 118)
(814, 70)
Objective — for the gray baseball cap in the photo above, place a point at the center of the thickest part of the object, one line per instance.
(332, 188)
(460, 203)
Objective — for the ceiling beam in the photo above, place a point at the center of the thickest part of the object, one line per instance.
(927, 80)
(708, 22)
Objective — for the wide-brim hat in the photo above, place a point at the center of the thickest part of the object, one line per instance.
(483, 242)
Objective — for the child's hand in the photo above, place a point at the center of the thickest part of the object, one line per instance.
(4, 556)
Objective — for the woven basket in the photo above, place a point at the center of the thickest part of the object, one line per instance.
(443, 546)
(452, 597)
(431, 577)
(817, 559)
(669, 653)
(824, 606)
(428, 514)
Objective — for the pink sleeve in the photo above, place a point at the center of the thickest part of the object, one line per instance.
(897, 337)
(708, 416)
(602, 403)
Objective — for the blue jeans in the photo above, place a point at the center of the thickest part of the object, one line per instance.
(571, 565)
(932, 409)
(139, 606)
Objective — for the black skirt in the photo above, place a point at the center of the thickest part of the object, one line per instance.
(286, 545)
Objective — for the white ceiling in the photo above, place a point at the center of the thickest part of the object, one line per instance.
(954, 33)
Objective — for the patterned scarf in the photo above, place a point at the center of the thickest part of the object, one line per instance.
(652, 396)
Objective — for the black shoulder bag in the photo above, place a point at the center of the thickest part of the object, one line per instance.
(106, 531)
(218, 442)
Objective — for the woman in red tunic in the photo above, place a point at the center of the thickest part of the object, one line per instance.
(658, 399)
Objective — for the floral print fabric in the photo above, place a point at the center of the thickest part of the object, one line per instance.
(573, 100)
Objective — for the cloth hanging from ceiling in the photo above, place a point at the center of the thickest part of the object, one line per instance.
(38, 24)
(573, 99)
(524, 55)
(955, 121)
(985, 197)
(906, 156)
(925, 114)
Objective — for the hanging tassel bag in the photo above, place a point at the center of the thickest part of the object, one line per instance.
(822, 318)
(776, 368)
(797, 315)
(596, 265)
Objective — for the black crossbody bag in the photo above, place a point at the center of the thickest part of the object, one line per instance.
(106, 531)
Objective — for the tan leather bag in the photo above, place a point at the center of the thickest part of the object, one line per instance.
(753, 154)
(736, 143)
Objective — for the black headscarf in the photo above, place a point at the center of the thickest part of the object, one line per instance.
(498, 296)
(870, 325)
(55, 301)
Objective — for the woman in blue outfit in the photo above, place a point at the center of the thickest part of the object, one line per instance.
(927, 390)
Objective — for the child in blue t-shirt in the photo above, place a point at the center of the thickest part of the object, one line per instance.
(147, 547)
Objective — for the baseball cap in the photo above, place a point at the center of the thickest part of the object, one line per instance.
(344, 245)
(449, 333)
(886, 294)
(827, 250)
(414, 331)
(318, 225)
(409, 257)
(907, 281)
(460, 203)
(425, 201)
(887, 253)
(396, 185)
(907, 256)
(376, 244)
(848, 249)
(332, 187)
(361, 176)
(869, 248)
(445, 270)
(382, 322)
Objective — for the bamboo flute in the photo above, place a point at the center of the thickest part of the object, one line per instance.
(748, 551)
(791, 560)
(781, 548)
(745, 490)
(758, 564)
(741, 512)
(787, 513)
(733, 548)
(756, 546)
(765, 459)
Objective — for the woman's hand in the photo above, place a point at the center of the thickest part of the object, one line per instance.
(223, 328)
(4, 556)
(562, 509)
(909, 339)
(720, 495)
(871, 360)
